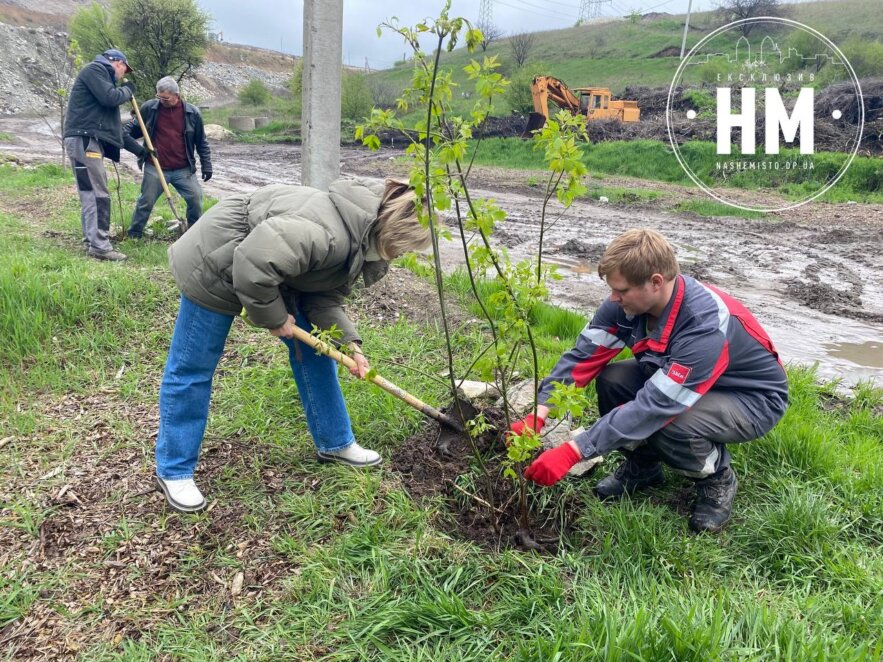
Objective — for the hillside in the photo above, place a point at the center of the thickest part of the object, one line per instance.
(27, 82)
(638, 60)
(30, 29)
(620, 53)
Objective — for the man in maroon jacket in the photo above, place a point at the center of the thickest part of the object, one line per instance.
(704, 375)
(177, 134)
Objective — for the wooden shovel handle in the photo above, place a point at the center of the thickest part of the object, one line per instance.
(149, 143)
(162, 178)
(386, 385)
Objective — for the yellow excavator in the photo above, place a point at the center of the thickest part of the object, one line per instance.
(593, 103)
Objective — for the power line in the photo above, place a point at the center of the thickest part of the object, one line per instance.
(591, 9)
(486, 12)
(543, 10)
(569, 5)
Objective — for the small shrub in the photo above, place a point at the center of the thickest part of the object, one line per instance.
(255, 93)
(866, 57)
(356, 99)
(518, 94)
(295, 86)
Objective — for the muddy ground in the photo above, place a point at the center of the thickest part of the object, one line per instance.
(812, 275)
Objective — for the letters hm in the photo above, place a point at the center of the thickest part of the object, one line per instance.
(801, 118)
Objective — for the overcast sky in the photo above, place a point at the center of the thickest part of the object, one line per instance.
(278, 24)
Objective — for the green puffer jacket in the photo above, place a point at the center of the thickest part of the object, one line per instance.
(279, 249)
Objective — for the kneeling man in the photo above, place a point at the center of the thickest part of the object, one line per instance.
(704, 374)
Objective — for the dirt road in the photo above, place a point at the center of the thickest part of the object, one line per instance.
(813, 275)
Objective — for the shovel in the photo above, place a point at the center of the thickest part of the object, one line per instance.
(182, 224)
(387, 386)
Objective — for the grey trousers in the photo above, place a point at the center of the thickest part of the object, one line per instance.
(87, 159)
(694, 443)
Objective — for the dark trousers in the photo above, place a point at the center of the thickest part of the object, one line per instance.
(694, 443)
(184, 181)
(87, 159)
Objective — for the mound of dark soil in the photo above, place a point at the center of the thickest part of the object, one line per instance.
(823, 297)
(582, 250)
(440, 462)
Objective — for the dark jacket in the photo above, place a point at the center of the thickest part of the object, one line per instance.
(93, 109)
(704, 339)
(194, 133)
(279, 249)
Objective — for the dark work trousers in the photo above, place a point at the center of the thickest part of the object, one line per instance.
(694, 443)
(184, 181)
(87, 158)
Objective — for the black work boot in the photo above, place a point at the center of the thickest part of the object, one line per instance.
(714, 501)
(629, 477)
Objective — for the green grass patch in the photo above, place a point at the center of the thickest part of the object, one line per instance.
(654, 160)
(617, 54)
(623, 196)
(340, 564)
(714, 208)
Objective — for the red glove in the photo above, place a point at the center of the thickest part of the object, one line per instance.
(529, 422)
(551, 466)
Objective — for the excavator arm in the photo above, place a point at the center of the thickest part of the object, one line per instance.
(592, 103)
(545, 88)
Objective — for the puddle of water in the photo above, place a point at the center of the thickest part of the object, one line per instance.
(584, 268)
(575, 265)
(868, 353)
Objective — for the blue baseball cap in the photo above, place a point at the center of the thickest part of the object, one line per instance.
(113, 54)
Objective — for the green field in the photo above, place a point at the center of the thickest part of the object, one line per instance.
(620, 53)
(297, 560)
(653, 160)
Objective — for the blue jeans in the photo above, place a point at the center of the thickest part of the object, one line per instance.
(197, 344)
(184, 181)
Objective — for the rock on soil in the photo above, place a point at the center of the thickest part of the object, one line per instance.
(217, 132)
(26, 83)
(28, 80)
(582, 249)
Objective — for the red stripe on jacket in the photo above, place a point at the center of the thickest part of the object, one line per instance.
(585, 371)
(747, 320)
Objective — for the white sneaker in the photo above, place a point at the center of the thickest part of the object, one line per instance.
(181, 495)
(353, 455)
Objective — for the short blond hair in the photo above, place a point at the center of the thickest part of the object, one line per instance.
(397, 229)
(637, 255)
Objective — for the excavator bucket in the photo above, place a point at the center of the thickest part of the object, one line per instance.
(535, 121)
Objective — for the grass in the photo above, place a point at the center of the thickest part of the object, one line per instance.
(622, 196)
(714, 208)
(6, 137)
(653, 160)
(617, 53)
(284, 116)
(340, 565)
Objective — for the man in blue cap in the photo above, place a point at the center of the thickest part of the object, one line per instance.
(93, 131)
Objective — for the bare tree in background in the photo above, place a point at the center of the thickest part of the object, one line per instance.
(384, 93)
(735, 10)
(521, 45)
(489, 34)
(61, 58)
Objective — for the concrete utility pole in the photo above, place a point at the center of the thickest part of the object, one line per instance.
(320, 117)
(686, 28)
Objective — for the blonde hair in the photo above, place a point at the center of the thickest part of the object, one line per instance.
(397, 229)
(637, 255)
